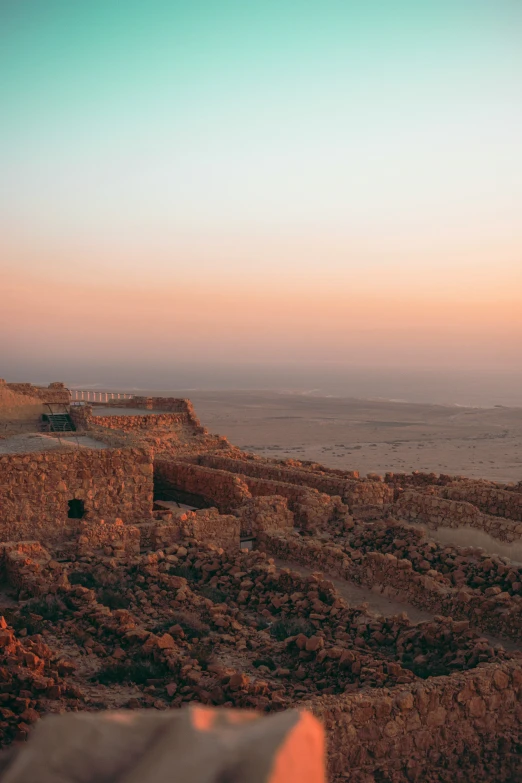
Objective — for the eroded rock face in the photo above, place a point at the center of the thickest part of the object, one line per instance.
(194, 745)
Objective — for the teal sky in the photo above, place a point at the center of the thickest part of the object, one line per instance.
(222, 144)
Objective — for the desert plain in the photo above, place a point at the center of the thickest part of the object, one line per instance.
(368, 435)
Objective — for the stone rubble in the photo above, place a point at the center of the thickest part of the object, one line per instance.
(145, 605)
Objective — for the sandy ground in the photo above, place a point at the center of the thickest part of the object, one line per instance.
(18, 444)
(357, 595)
(470, 536)
(369, 436)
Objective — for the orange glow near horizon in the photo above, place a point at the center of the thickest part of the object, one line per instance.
(363, 320)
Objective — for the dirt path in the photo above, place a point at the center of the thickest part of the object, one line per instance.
(356, 595)
(470, 536)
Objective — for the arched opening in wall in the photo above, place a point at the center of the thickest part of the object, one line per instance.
(76, 509)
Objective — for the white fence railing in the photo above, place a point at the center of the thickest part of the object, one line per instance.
(78, 395)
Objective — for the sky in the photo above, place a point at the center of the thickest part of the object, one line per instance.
(281, 181)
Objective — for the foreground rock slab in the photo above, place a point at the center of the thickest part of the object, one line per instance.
(194, 745)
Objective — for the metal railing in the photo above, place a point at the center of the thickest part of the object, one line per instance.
(79, 395)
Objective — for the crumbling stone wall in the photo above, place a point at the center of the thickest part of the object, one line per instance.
(223, 490)
(131, 423)
(35, 489)
(309, 465)
(29, 569)
(219, 529)
(496, 612)
(437, 512)
(84, 419)
(207, 525)
(419, 479)
(228, 491)
(351, 490)
(269, 512)
(113, 539)
(502, 500)
(489, 499)
(458, 728)
(312, 509)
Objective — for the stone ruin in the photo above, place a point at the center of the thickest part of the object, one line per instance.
(149, 564)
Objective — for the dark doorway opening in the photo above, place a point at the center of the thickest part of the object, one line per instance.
(76, 509)
(180, 496)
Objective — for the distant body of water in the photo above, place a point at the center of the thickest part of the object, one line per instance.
(445, 387)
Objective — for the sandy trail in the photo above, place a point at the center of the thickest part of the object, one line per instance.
(355, 595)
(470, 536)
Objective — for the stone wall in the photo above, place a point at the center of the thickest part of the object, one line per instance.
(314, 467)
(113, 539)
(146, 422)
(488, 498)
(29, 568)
(419, 479)
(352, 491)
(206, 525)
(227, 491)
(269, 513)
(497, 613)
(312, 510)
(217, 487)
(460, 728)
(171, 404)
(84, 419)
(35, 489)
(437, 512)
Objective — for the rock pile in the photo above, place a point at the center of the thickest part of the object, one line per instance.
(32, 682)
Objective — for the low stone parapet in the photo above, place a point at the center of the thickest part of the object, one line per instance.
(29, 568)
(491, 500)
(114, 539)
(436, 511)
